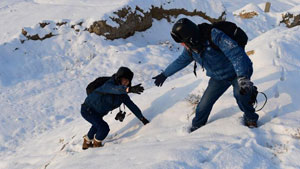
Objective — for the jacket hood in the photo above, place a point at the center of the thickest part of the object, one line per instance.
(124, 72)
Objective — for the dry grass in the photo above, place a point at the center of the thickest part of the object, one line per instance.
(247, 15)
(290, 20)
(193, 99)
(251, 52)
(296, 134)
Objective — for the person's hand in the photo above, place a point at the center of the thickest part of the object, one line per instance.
(138, 89)
(120, 116)
(144, 120)
(159, 79)
(245, 85)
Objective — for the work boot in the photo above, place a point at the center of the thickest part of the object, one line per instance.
(251, 124)
(97, 143)
(193, 128)
(87, 143)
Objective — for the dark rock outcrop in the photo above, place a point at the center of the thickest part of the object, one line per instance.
(131, 21)
(36, 36)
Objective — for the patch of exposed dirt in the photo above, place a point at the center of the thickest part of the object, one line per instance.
(131, 21)
(50, 34)
(250, 52)
(36, 36)
(247, 15)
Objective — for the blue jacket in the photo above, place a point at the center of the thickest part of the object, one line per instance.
(110, 96)
(230, 62)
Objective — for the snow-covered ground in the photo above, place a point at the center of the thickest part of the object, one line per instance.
(42, 85)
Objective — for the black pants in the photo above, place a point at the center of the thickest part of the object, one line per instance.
(100, 128)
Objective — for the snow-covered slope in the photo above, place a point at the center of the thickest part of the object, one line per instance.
(42, 85)
(16, 14)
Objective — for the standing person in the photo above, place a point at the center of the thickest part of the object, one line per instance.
(226, 64)
(106, 98)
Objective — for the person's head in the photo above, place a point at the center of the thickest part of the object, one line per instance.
(187, 33)
(124, 76)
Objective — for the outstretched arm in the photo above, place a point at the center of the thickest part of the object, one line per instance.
(237, 55)
(132, 107)
(181, 62)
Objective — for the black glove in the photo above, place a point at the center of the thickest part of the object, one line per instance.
(138, 89)
(159, 79)
(120, 116)
(144, 120)
(253, 97)
(245, 85)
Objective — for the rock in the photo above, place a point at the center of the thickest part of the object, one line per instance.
(36, 36)
(132, 21)
(129, 21)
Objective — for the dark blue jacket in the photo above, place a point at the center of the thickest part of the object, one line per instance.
(228, 63)
(110, 96)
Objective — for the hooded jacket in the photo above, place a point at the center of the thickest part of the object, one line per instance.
(111, 95)
(230, 62)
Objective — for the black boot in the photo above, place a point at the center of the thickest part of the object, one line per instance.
(251, 124)
(193, 128)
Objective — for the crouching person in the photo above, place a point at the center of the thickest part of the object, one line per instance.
(106, 98)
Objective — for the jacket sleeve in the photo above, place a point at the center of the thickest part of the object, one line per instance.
(237, 55)
(111, 88)
(132, 107)
(181, 62)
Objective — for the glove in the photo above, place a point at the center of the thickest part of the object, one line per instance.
(245, 85)
(254, 93)
(120, 116)
(159, 79)
(144, 120)
(138, 89)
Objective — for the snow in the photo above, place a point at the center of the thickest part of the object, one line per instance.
(249, 8)
(42, 85)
